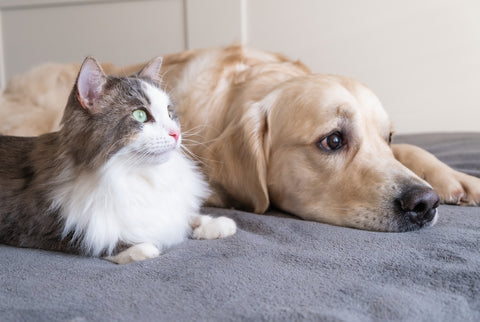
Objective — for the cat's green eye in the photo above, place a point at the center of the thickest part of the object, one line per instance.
(170, 112)
(140, 115)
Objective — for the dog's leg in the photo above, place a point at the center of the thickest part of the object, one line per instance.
(206, 227)
(135, 253)
(453, 187)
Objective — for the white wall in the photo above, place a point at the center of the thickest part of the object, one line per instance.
(122, 32)
(421, 57)
(2, 68)
(214, 22)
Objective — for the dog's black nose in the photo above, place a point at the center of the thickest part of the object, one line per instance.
(419, 204)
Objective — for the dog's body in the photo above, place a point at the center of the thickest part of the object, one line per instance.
(269, 132)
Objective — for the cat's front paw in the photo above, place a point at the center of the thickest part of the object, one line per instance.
(135, 253)
(206, 227)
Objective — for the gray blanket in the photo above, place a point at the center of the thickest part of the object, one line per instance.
(277, 267)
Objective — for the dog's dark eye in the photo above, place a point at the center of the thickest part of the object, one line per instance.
(331, 142)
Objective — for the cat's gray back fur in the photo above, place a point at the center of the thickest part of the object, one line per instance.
(26, 219)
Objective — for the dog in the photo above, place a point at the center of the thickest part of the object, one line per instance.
(270, 133)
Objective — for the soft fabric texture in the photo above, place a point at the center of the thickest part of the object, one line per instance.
(276, 267)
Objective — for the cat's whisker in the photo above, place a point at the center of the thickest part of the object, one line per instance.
(194, 130)
(191, 137)
(188, 134)
(200, 127)
(190, 142)
(195, 143)
(202, 160)
(192, 155)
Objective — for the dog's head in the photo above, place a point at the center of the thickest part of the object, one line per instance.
(318, 146)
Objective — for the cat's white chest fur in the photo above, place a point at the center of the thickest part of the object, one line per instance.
(118, 203)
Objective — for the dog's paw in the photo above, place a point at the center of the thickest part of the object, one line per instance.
(456, 188)
(206, 227)
(453, 187)
(135, 253)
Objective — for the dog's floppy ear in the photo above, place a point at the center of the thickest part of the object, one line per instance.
(239, 172)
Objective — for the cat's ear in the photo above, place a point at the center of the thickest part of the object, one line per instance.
(152, 70)
(90, 83)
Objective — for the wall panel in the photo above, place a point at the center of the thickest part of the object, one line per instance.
(120, 32)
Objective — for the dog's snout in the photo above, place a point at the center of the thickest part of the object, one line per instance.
(419, 204)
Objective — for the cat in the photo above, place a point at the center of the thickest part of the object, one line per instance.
(112, 182)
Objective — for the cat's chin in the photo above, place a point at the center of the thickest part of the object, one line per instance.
(151, 158)
(159, 158)
(154, 158)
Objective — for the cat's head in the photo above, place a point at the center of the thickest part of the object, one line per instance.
(126, 117)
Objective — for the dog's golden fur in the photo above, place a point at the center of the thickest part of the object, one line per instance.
(257, 122)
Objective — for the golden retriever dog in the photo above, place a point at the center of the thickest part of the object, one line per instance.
(268, 132)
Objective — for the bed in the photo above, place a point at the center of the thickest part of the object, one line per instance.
(276, 267)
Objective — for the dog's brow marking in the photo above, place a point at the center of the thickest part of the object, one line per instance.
(342, 112)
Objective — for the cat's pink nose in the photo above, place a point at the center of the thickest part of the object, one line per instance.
(174, 134)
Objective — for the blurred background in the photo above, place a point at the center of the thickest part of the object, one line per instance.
(421, 57)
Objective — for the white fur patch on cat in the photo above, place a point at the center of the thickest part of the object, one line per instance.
(120, 204)
(206, 227)
(135, 253)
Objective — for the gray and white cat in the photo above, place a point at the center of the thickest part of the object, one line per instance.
(112, 181)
